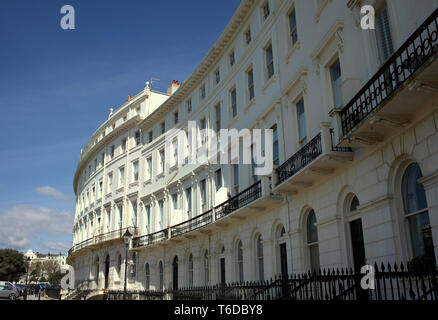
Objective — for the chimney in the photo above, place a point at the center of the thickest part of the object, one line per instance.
(174, 85)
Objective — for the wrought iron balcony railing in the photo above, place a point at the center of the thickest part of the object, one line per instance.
(300, 159)
(240, 200)
(419, 47)
(112, 235)
(149, 239)
(192, 224)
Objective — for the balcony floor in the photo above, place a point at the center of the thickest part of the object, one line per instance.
(316, 172)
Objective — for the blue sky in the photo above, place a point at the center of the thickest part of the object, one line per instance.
(56, 88)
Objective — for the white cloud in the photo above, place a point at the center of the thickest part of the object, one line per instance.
(23, 224)
(52, 193)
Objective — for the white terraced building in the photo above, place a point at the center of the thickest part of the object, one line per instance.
(355, 120)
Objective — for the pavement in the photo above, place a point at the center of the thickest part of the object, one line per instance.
(33, 297)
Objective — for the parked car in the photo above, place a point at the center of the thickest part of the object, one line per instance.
(7, 290)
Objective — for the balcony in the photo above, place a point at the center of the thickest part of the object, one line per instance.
(255, 199)
(402, 92)
(150, 239)
(98, 240)
(314, 162)
(192, 224)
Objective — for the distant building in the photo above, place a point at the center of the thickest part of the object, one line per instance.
(40, 257)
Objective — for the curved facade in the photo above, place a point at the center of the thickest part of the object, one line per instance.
(355, 153)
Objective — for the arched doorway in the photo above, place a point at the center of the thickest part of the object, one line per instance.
(175, 273)
(282, 267)
(96, 271)
(107, 266)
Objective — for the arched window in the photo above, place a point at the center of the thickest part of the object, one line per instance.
(354, 204)
(190, 270)
(175, 273)
(312, 241)
(281, 250)
(134, 265)
(97, 270)
(259, 256)
(416, 213)
(161, 275)
(206, 268)
(357, 244)
(119, 265)
(147, 276)
(222, 276)
(239, 261)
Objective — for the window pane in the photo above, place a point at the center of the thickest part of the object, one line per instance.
(312, 232)
(301, 119)
(383, 35)
(421, 235)
(335, 73)
(414, 196)
(293, 27)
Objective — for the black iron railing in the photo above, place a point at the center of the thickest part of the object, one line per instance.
(240, 200)
(300, 159)
(334, 147)
(192, 224)
(419, 47)
(149, 239)
(390, 282)
(112, 235)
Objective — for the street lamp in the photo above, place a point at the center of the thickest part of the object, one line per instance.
(27, 277)
(126, 239)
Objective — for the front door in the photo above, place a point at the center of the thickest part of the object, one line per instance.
(359, 260)
(175, 273)
(357, 244)
(222, 270)
(283, 259)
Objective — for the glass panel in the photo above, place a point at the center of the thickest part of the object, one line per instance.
(354, 204)
(383, 35)
(414, 196)
(421, 235)
(314, 257)
(275, 145)
(312, 232)
(335, 73)
(260, 258)
(240, 261)
(206, 273)
(293, 27)
(301, 119)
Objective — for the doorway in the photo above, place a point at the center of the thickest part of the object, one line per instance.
(175, 273)
(283, 259)
(357, 244)
(107, 265)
